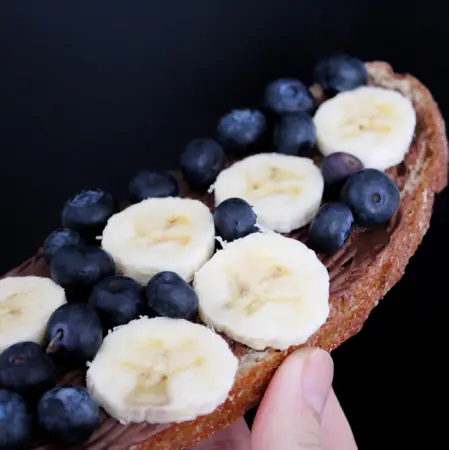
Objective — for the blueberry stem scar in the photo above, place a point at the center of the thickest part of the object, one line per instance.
(52, 347)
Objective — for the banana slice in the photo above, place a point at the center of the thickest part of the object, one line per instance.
(264, 290)
(157, 234)
(26, 303)
(374, 124)
(161, 370)
(285, 191)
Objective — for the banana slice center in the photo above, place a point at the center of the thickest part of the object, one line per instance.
(273, 181)
(11, 308)
(173, 229)
(376, 119)
(152, 380)
(267, 282)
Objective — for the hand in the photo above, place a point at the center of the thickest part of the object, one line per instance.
(299, 411)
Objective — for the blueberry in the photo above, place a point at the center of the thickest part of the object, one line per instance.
(234, 218)
(88, 211)
(57, 239)
(241, 128)
(372, 196)
(27, 370)
(201, 162)
(68, 415)
(288, 95)
(330, 227)
(78, 268)
(16, 424)
(340, 72)
(152, 183)
(117, 300)
(295, 134)
(168, 295)
(337, 167)
(73, 334)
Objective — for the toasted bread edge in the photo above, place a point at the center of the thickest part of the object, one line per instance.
(257, 368)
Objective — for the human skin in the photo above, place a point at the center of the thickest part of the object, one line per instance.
(299, 411)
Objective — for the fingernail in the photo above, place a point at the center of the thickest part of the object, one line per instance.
(317, 379)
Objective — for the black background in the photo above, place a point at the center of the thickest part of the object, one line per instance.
(91, 92)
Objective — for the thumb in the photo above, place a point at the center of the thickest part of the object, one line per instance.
(289, 416)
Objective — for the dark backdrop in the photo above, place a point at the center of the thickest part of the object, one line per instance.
(90, 92)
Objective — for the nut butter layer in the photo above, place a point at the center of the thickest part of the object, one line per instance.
(361, 273)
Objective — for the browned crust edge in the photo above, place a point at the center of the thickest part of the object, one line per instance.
(351, 308)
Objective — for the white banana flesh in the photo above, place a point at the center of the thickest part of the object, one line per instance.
(157, 234)
(161, 370)
(264, 290)
(26, 304)
(374, 124)
(285, 191)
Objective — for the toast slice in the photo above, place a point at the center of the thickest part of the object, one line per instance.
(361, 273)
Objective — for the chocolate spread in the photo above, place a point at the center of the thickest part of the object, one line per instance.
(347, 264)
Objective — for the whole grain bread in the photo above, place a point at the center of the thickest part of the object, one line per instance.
(359, 279)
(349, 309)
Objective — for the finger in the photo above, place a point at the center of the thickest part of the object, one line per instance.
(336, 433)
(289, 415)
(235, 437)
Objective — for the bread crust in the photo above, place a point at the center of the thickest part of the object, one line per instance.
(349, 309)
(351, 305)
